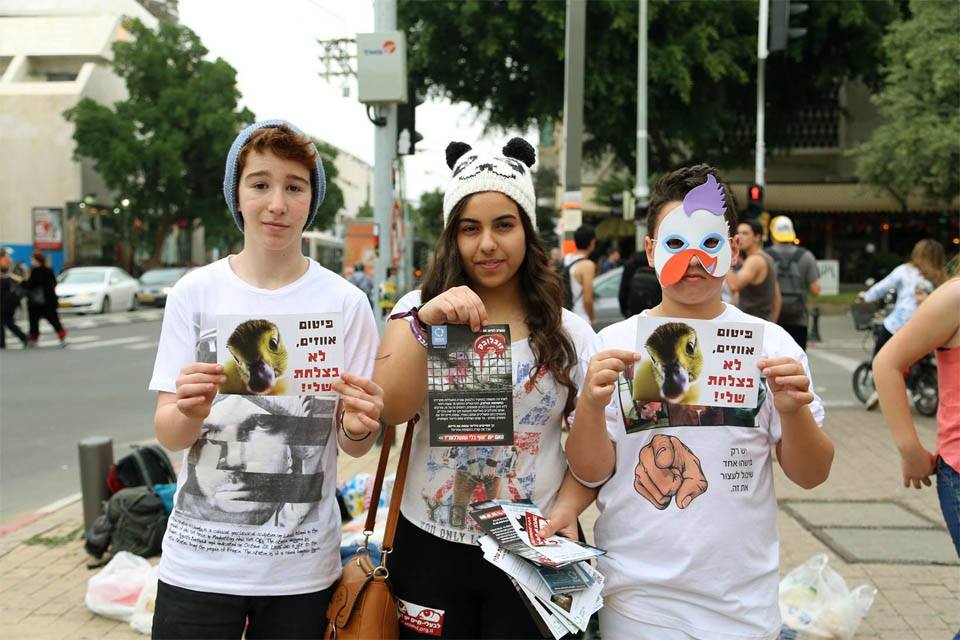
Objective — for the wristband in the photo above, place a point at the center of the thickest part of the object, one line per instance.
(417, 327)
(344, 429)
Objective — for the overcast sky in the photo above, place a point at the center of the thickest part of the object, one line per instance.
(275, 53)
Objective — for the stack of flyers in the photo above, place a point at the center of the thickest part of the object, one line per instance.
(552, 574)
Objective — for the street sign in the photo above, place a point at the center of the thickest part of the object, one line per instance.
(382, 67)
(829, 277)
(48, 228)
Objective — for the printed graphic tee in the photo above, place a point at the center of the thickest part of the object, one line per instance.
(255, 511)
(443, 481)
(711, 567)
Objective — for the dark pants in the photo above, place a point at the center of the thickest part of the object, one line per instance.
(9, 323)
(182, 614)
(881, 340)
(798, 332)
(476, 599)
(50, 315)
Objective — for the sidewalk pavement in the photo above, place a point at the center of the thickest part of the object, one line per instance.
(43, 574)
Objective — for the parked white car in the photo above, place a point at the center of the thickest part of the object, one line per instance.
(96, 290)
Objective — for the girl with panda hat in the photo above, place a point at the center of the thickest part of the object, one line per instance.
(489, 267)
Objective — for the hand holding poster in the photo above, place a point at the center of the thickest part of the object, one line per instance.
(287, 355)
(470, 386)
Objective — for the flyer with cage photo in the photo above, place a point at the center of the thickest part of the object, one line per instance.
(470, 386)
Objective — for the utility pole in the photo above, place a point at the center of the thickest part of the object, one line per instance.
(572, 211)
(641, 189)
(385, 153)
(762, 53)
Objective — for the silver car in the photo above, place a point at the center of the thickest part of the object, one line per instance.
(606, 303)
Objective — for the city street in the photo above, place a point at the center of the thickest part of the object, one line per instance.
(52, 398)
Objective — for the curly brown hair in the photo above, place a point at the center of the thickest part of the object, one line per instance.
(551, 345)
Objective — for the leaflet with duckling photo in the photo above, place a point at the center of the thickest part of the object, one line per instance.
(506, 522)
(280, 355)
(693, 373)
(470, 386)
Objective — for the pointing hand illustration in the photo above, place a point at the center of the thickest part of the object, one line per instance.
(668, 469)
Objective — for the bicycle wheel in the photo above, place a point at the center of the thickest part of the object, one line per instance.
(863, 385)
(926, 396)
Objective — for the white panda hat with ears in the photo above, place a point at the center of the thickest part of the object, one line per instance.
(509, 174)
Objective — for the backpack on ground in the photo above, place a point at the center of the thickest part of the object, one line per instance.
(645, 291)
(143, 466)
(793, 286)
(566, 275)
(139, 521)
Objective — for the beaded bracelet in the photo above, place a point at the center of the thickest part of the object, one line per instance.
(417, 327)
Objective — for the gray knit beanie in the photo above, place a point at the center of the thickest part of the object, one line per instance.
(231, 175)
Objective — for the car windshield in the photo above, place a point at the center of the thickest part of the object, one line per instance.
(161, 276)
(82, 277)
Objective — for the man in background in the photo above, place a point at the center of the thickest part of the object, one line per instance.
(798, 276)
(756, 280)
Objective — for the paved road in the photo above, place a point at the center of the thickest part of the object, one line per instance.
(50, 398)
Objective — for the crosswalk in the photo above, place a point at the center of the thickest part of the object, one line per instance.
(87, 342)
(110, 319)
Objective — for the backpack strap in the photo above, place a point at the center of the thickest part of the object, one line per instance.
(144, 469)
(164, 461)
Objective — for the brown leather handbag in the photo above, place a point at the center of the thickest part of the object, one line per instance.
(363, 606)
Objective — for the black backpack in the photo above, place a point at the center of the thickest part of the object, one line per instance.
(565, 275)
(793, 288)
(645, 291)
(143, 466)
(139, 521)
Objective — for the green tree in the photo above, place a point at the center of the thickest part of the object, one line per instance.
(917, 148)
(506, 59)
(164, 146)
(333, 200)
(428, 217)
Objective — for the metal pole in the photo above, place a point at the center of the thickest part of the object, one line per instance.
(96, 456)
(642, 188)
(572, 211)
(385, 152)
(761, 60)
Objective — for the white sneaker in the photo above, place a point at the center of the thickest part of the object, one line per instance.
(872, 401)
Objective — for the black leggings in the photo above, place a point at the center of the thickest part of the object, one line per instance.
(881, 340)
(476, 599)
(182, 614)
(50, 315)
(10, 323)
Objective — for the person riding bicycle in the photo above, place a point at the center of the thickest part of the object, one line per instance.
(925, 268)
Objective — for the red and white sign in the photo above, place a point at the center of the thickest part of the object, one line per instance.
(421, 619)
(47, 228)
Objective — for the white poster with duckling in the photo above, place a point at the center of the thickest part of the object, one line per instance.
(282, 355)
(693, 373)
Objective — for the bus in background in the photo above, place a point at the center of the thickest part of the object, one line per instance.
(325, 248)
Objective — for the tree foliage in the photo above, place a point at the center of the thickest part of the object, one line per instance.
(506, 59)
(428, 217)
(164, 146)
(917, 148)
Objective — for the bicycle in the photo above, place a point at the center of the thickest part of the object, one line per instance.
(921, 380)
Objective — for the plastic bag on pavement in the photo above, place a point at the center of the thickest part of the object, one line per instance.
(113, 592)
(816, 603)
(142, 618)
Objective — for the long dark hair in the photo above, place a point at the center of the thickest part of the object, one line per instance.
(542, 289)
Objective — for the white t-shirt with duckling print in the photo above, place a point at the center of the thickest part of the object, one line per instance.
(443, 481)
(709, 569)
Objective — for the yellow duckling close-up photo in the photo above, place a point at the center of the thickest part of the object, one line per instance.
(671, 368)
(258, 362)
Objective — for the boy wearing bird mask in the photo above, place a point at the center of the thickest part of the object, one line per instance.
(688, 557)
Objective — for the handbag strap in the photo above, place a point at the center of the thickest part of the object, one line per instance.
(395, 498)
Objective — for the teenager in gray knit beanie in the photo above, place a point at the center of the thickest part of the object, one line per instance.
(231, 175)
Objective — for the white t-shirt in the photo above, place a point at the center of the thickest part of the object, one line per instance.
(443, 481)
(255, 512)
(711, 568)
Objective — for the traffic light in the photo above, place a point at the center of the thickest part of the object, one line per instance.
(781, 11)
(754, 201)
(407, 136)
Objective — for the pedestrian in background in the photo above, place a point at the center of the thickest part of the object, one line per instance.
(362, 281)
(934, 326)
(580, 270)
(610, 261)
(10, 295)
(755, 281)
(639, 286)
(798, 277)
(41, 289)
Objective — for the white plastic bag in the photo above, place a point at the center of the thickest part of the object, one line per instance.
(816, 603)
(114, 590)
(142, 618)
